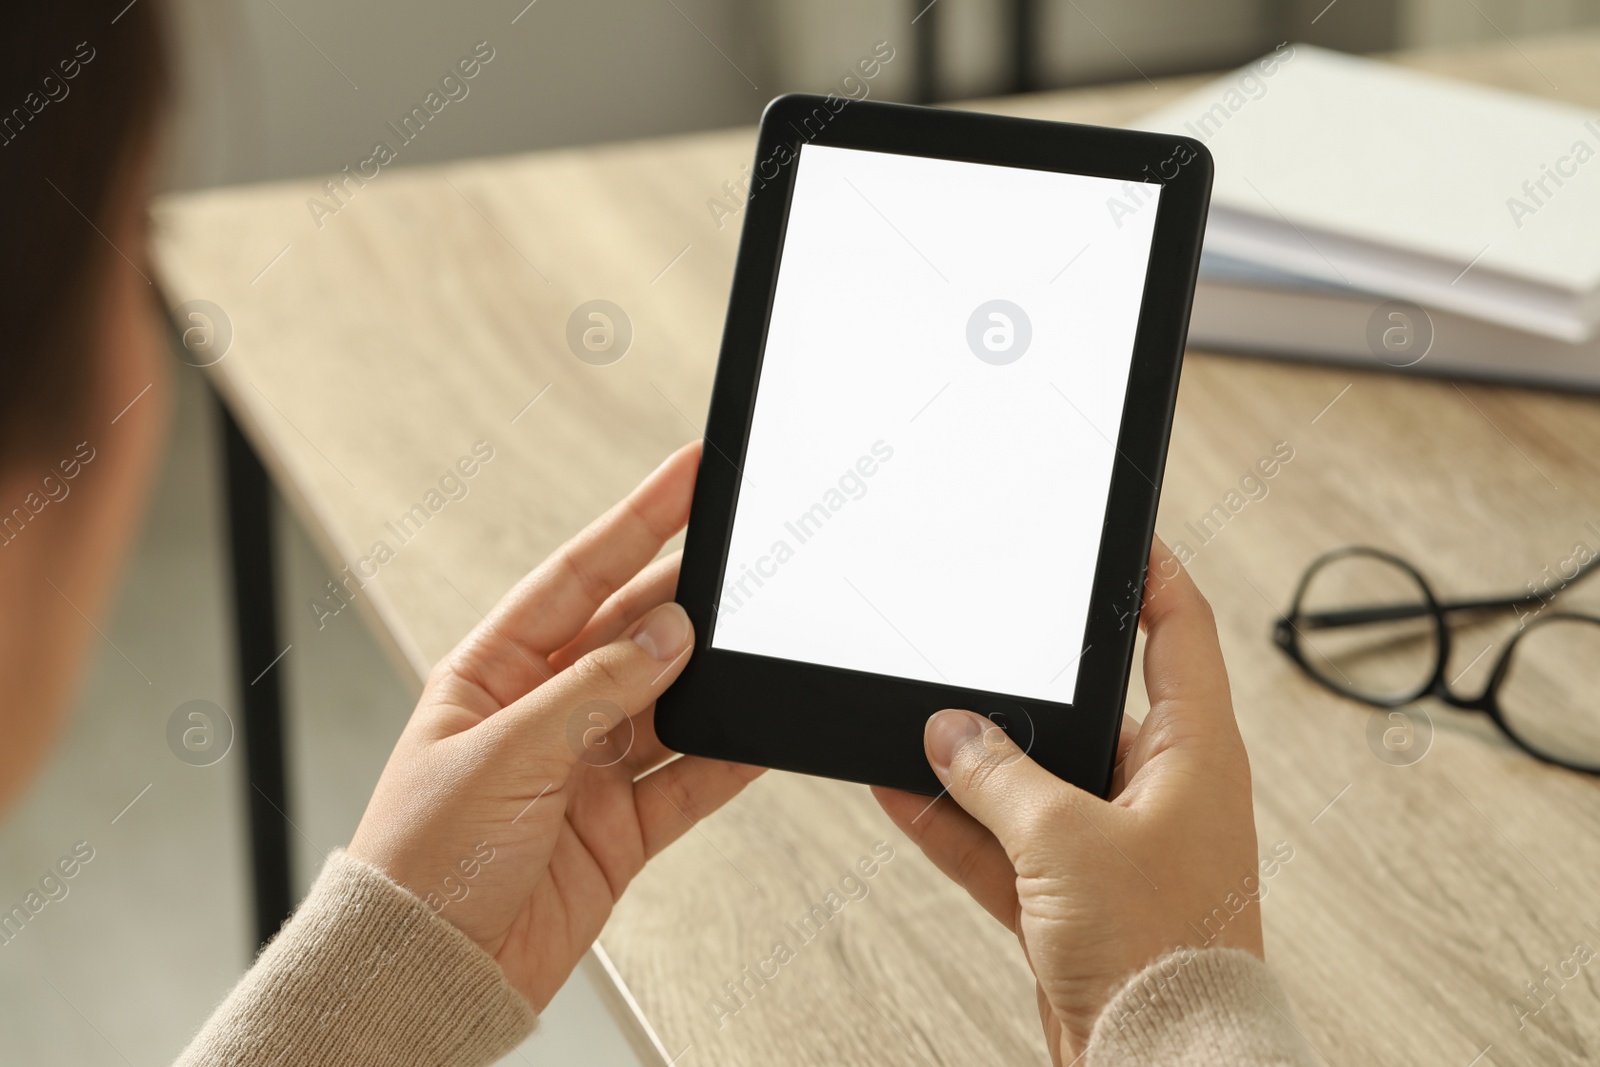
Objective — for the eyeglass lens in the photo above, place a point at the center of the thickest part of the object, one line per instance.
(1380, 654)
(1547, 697)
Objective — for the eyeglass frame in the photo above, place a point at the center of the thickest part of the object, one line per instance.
(1287, 636)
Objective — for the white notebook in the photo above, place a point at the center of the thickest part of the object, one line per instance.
(1242, 307)
(1364, 174)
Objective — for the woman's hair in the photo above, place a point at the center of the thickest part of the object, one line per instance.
(81, 83)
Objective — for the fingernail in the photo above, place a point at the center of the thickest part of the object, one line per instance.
(664, 633)
(947, 731)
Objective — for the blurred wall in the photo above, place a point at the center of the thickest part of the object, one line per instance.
(1427, 22)
(279, 88)
(274, 88)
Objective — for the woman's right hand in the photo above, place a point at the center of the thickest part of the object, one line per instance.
(1097, 889)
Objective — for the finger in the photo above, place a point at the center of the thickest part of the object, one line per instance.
(958, 845)
(1183, 669)
(642, 750)
(647, 752)
(672, 799)
(651, 587)
(997, 783)
(627, 674)
(1126, 738)
(507, 653)
(654, 585)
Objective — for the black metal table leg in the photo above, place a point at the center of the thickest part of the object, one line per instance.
(255, 615)
(925, 32)
(1024, 52)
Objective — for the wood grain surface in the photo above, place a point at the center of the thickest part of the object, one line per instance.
(430, 311)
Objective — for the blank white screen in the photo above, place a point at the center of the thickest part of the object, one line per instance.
(908, 508)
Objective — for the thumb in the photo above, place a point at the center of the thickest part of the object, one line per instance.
(996, 782)
(1184, 672)
(627, 675)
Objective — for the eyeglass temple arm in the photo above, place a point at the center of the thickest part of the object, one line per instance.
(1360, 616)
(1328, 620)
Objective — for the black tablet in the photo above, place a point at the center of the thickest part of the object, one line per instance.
(936, 438)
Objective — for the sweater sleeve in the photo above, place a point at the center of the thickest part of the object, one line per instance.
(1199, 1009)
(365, 974)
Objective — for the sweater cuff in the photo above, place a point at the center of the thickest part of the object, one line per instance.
(364, 974)
(1197, 1008)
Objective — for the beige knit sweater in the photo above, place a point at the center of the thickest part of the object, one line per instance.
(365, 975)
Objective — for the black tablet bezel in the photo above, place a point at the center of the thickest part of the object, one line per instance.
(865, 727)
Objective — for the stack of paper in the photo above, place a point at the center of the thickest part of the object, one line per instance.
(1368, 213)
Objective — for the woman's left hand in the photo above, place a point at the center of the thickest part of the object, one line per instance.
(529, 786)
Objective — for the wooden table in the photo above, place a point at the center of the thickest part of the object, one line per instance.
(429, 313)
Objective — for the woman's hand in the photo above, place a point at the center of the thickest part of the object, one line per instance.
(1094, 889)
(513, 803)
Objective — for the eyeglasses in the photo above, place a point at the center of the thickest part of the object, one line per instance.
(1367, 625)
